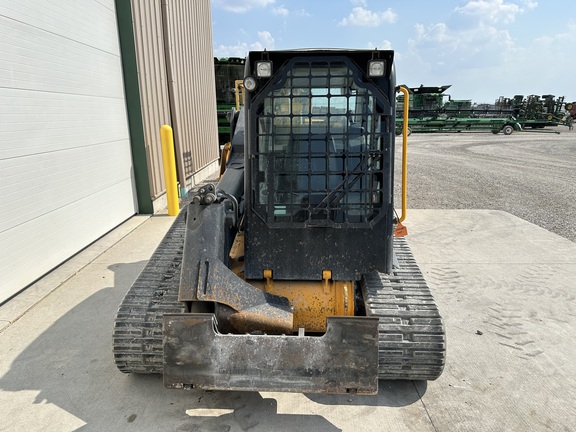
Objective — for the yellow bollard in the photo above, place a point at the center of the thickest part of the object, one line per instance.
(169, 162)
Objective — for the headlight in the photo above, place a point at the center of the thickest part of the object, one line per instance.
(264, 69)
(376, 68)
(250, 83)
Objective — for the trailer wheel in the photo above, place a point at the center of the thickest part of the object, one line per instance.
(569, 106)
(398, 131)
(507, 130)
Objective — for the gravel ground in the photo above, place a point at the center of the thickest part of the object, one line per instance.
(531, 175)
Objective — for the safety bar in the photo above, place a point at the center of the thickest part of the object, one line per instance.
(239, 87)
(404, 90)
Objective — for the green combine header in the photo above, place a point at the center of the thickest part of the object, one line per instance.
(433, 110)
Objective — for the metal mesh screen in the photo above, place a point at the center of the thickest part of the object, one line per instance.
(319, 155)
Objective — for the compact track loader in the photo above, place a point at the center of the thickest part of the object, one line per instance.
(285, 275)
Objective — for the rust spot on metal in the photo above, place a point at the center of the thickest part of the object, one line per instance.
(313, 301)
(237, 249)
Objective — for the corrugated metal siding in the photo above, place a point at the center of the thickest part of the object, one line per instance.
(153, 84)
(65, 160)
(193, 68)
(194, 102)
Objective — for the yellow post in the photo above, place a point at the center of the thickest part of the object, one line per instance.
(169, 162)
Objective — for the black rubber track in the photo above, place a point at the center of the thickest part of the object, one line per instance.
(412, 344)
(412, 340)
(138, 326)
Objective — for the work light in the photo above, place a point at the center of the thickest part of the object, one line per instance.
(264, 69)
(250, 83)
(376, 68)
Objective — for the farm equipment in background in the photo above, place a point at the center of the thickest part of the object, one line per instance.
(535, 112)
(286, 275)
(570, 115)
(426, 101)
(226, 72)
(571, 109)
(432, 110)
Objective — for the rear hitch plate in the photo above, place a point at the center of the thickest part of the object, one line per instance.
(343, 360)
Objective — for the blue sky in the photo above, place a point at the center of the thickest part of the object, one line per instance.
(483, 48)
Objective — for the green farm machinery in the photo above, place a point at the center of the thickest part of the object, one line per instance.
(432, 110)
(535, 112)
(226, 72)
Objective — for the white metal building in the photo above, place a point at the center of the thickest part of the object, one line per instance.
(66, 161)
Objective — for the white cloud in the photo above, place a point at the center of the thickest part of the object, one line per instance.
(483, 59)
(480, 44)
(546, 58)
(530, 4)
(281, 10)
(241, 6)
(302, 13)
(240, 49)
(265, 41)
(384, 45)
(558, 39)
(495, 11)
(437, 49)
(366, 18)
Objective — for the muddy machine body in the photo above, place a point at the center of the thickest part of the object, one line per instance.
(285, 275)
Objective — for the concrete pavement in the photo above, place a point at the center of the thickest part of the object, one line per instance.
(505, 288)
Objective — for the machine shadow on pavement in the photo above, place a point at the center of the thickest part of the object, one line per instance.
(70, 364)
(390, 394)
(219, 411)
(71, 367)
